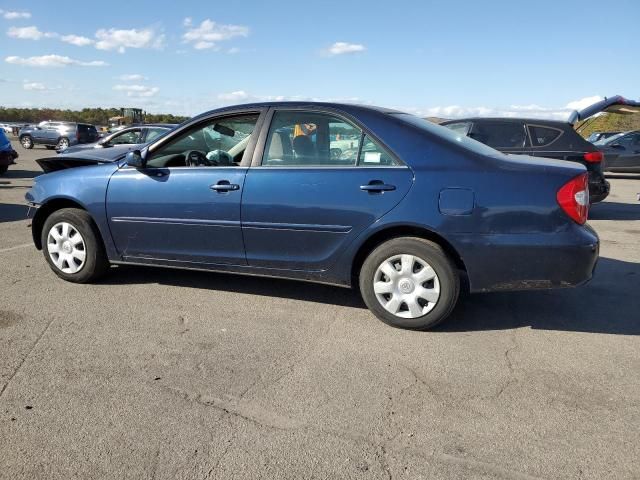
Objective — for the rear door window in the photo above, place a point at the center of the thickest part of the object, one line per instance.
(543, 136)
(499, 134)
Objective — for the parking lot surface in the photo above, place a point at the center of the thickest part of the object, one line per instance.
(167, 374)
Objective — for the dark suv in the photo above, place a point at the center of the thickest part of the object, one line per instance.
(548, 138)
(538, 138)
(58, 134)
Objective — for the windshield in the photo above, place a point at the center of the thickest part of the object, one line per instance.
(608, 140)
(448, 134)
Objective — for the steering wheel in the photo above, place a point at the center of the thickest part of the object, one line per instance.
(196, 158)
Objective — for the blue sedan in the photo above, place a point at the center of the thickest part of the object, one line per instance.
(406, 211)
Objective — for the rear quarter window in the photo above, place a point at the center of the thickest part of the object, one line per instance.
(543, 136)
(499, 134)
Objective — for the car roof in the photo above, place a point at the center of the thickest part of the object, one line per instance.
(301, 104)
(537, 121)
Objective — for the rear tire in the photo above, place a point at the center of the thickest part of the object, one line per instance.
(72, 246)
(27, 142)
(3, 169)
(416, 283)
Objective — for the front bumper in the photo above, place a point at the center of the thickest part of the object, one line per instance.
(529, 261)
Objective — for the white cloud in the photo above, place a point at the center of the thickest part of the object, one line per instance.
(209, 33)
(77, 40)
(34, 86)
(528, 111)
(137, 90)
(236, 96)
(15, 15)
(132, 77)
(52, 61)
(340, 48)
(28, 33)
(120, 40)
(583, 102)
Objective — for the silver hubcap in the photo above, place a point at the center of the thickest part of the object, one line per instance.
(66, 247)
(26, 142)
(64, 143)
(406, 286)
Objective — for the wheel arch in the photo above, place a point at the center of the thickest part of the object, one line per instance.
(46, 209)
(388, 233)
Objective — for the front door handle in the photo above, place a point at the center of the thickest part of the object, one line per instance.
(377, 186)
(225, 186)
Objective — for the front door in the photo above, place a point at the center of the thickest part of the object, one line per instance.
(320, 183)
(184, 206)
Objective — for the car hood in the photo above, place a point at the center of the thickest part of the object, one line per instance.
(615, 104)
(87, 156)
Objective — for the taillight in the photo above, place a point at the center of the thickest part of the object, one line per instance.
(593, 157)
(573, 197)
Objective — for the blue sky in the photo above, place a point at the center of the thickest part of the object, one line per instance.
(443, 58)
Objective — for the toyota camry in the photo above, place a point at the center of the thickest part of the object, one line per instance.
(406, 211)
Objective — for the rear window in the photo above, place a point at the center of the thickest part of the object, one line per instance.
(542, 136)
(447, 134)
(499, 134)
(86, 128)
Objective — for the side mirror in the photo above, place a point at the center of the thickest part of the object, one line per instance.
(135, 159)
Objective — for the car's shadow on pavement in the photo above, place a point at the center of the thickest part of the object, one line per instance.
(244, 284)
(11, 212)
(15, 174)
(614, 211)
(606, 305)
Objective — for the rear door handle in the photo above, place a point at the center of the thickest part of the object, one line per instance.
(377, 186)
(224, 186)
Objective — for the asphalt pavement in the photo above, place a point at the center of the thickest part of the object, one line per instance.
(163, 374)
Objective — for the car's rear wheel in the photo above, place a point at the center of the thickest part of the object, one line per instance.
(72, 246)
(409, 282)
(62, 143)
(26, 141)
(3, 169)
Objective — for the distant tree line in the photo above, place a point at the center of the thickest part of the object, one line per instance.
(96, 116)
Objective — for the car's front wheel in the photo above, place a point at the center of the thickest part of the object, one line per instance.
(409, 282)
(72, 246)
(3, 169)
(26, 141)
(62, 143)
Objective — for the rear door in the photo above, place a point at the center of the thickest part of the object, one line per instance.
(316, 183)
(624, 153)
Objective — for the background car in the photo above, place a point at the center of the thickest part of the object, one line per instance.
(597, 136)
(547, 138)
(538, 138)
(244, 189)
(57, 134)
(621, 152)
(129, 136)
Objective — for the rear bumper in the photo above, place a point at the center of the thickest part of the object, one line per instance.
(599, 187)
(529, 261)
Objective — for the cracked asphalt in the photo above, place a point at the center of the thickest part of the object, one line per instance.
(166, 374)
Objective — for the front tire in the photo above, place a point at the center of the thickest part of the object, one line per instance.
(410, 283)
(72, 246)
(3, 169)
(63, 144)
(27, 142)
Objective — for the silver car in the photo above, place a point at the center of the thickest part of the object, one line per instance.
(57, 134)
